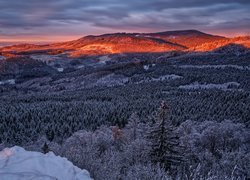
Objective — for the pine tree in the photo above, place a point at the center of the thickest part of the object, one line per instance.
(133, 125)
(50, 135)
(164, 144)
(45, 148)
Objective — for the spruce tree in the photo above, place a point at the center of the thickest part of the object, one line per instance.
(133, 126)
(164, 144)
(45, 148)
(50, 135)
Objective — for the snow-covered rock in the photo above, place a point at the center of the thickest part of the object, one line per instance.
(19, 164)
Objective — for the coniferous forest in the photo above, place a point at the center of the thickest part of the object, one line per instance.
(135, 116)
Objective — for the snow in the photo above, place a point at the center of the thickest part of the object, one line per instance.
(9, 81)
(172, 37)
(60, 69)
(167, 77)
(215, 66)
(141, 35)
(45, 58)
(104, 59)
(146, 67)
(112, 80)
(80, 66)
(196, 85)
(18, 164)
(2, 58)
(148, 36)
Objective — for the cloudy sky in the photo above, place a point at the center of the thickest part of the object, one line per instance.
(58, 20)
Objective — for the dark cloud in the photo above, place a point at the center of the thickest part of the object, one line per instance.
(65, 17)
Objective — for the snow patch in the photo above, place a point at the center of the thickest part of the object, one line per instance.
(103, 59)
(215, 66)
(9, 81)
(2, 58)
(167, 77)
(172, 37)
(18, 164)
(112, 80)
(60, 69)
(45, 58)
(80, 67)
(148, 36)
(196, 85)
(146, 67)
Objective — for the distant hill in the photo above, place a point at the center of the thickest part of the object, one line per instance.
(209, 46)
(121, 43)
(187, 40)
(2, 44)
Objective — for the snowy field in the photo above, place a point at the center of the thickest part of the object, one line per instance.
(224, 87)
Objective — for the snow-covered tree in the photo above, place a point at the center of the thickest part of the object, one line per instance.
(164, 144)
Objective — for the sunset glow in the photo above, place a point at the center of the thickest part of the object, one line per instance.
(63, 20)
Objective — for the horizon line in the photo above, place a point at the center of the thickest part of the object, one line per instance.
(43, 39)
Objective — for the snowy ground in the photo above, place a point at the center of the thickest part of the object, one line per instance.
(104, 59)
(112, 80)
(60, 69)
(18, 164)
(215, 66)
(45, 58)
(9, 81)
(2, 58)
(147, 67)
(167, 77)
(224, 87)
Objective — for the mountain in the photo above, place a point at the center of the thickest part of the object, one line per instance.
(187, 40)
(2, 43)
(121, 43)
(213, 45)
(18, 164)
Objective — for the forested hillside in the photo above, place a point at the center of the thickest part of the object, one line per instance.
(106, 115)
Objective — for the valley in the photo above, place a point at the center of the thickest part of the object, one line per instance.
(87, 98)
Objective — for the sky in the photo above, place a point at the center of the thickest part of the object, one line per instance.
(61, 20)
